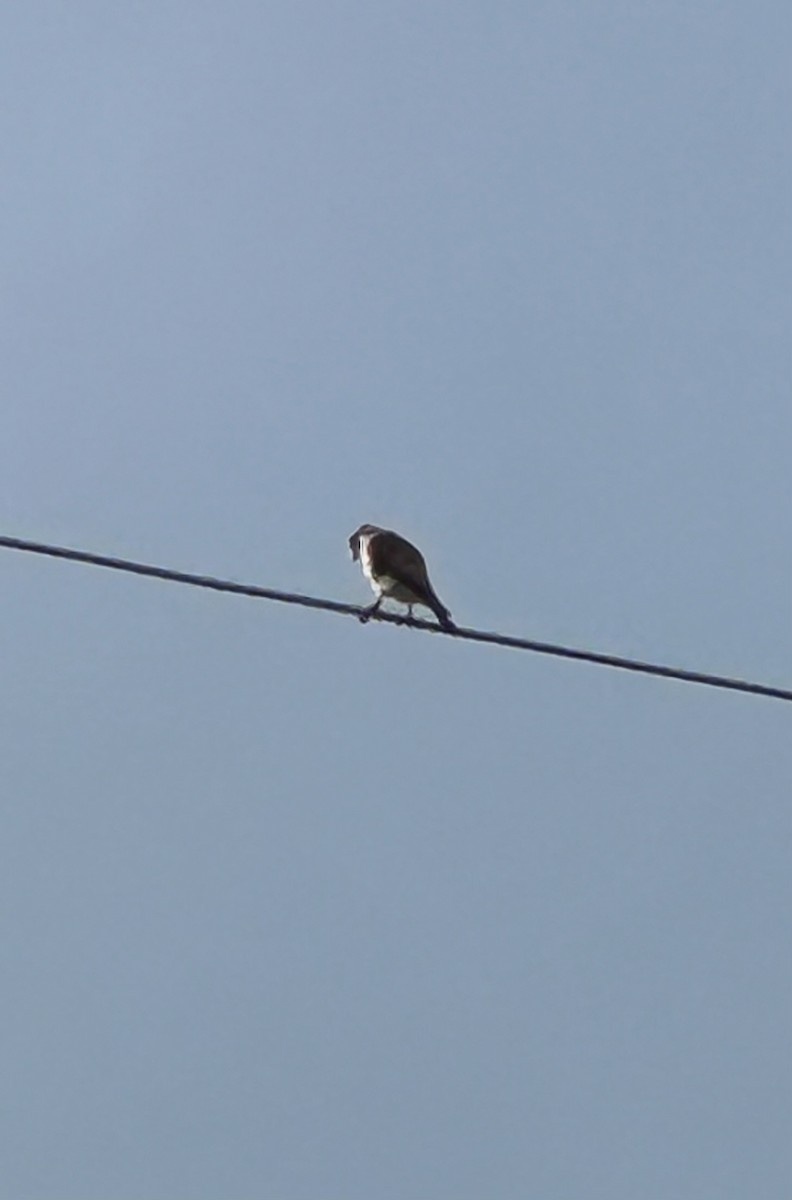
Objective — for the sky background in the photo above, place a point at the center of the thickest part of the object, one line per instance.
(299, 909)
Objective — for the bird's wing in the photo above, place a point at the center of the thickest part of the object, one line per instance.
(394, 556)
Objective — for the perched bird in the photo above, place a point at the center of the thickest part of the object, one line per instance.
(396, 570)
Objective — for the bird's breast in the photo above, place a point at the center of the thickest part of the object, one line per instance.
(365, 563)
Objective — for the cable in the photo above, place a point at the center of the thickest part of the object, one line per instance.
(469, 635)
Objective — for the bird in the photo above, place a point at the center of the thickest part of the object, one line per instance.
(395, 569)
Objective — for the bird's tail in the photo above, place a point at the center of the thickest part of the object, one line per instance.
(441, 612)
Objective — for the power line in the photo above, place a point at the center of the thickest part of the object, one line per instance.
(469, 635)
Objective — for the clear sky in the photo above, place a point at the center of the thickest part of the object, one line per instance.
(294, 908)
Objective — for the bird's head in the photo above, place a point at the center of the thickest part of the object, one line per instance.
(354, 541)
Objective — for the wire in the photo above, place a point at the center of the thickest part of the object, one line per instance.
(469, 635)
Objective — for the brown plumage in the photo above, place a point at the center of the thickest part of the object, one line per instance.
(396, 569)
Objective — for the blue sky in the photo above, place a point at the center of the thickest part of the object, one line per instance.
(297, 908)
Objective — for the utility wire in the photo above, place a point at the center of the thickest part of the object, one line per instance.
(469, 635)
